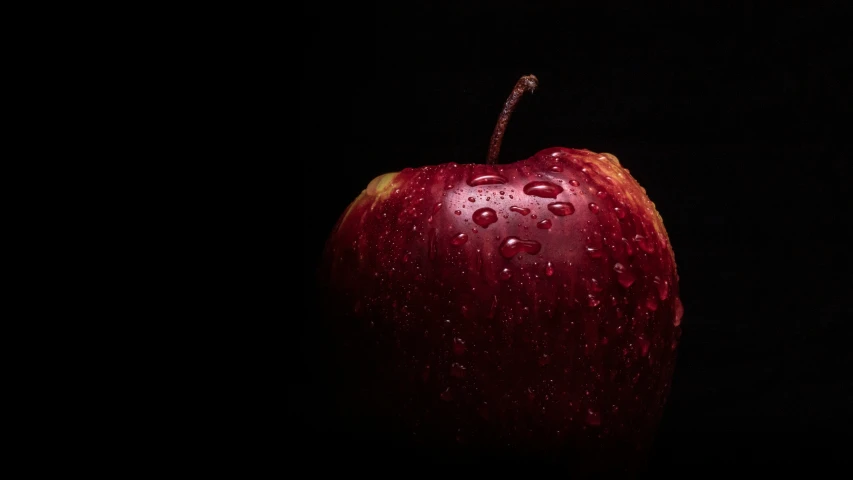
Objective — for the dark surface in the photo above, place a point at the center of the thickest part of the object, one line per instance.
(734, 122)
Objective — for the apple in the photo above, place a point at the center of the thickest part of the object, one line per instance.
(528, 309)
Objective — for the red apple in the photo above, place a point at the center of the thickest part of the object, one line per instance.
(531, 306)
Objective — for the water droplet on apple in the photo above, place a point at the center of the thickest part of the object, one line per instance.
(433, 246)
(449, 186)
(601, 194)
(595, 286)
(485, 217)
(486, 180)
(556, 168)
(436, 208)
(544, 224)
(620, 212)
(458, 346)
(459, 239)
(457, 212)
(629, 249)
(592, 301)
(679, 312)
(593, 251)
(521, 210)
(511, 246)
(593, 418)
(505, 274)
(446, 395)
(549, 270)
(574, 183)
(593, 208)
(644, 243)
(623, 275)
(544, 359)
(561, 209)
(543, 189)
(652, 303)
(472, 199)
(457, 370)
(663, 287)
(425, 374)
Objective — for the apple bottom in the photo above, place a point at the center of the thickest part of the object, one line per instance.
(368, 406)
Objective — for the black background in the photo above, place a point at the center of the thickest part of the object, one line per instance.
(734, 120)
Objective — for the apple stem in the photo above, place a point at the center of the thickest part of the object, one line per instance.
(527, 83)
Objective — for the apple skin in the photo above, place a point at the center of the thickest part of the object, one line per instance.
(546, 324)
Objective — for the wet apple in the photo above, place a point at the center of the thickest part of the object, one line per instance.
(530, 307)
